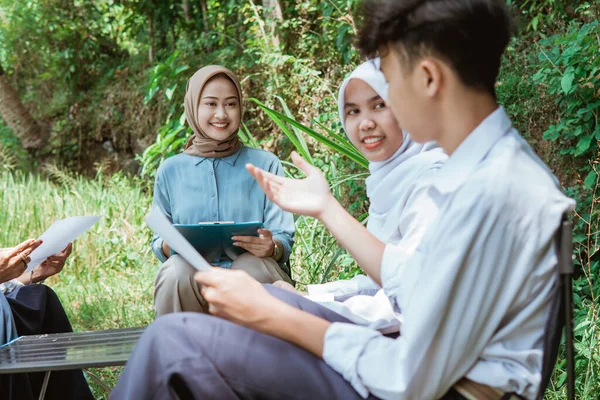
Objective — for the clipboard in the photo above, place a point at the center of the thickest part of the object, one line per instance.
(211, 239)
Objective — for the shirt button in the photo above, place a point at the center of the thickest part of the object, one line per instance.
(212, 195)
(212, 173)
(214, 214)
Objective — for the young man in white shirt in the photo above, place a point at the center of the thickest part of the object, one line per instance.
(475, 295)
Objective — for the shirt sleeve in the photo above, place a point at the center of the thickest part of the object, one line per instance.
(162, 201)
(344, 289)
(419, 213)
(280, 222)
(452, 296)
(9, 286)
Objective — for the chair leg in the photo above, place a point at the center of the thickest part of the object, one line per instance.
(569, 341)
(99, 381)
(45, 385)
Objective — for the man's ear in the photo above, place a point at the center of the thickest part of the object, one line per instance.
(430, 76)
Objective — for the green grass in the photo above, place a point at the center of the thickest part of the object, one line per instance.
(108, 280)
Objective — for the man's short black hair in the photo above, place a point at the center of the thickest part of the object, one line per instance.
(470, 35)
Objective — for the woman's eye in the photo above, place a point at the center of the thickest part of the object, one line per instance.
(380, 105)
(211, 104)
(352, 111)
(231, 104)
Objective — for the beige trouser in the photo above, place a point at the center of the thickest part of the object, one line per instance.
(175, 289)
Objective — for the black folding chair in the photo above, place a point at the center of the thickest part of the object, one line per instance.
(561, 314)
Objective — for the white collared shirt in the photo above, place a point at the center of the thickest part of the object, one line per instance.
(475, 294)
(360, 299)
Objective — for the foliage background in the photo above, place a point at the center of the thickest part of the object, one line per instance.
(108, 77)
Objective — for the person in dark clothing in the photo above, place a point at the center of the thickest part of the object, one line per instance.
(31, 308)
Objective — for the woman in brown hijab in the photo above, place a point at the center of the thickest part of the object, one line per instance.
(209, 182)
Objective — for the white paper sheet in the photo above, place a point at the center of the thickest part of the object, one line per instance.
(58, 236)
(161, 225)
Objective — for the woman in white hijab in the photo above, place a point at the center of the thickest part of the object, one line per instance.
(398, 190)
(397, 165)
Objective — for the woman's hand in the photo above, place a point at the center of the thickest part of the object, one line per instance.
(13, 261)
(52, 265)
(309, 196)
(166, 249)
(261, 246)
(236, 296)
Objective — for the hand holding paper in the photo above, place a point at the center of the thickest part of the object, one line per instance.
(58, 236)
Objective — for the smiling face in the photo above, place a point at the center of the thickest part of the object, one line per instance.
(219, 109)
(369, 123)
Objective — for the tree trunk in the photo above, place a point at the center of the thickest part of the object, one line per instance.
(204, 9)
(185, 6)
(31, 134)
(274, 16)
(151, 33)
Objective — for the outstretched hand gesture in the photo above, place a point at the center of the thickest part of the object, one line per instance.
(309, 196)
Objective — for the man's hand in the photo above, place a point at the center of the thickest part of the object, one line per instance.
(13, 260)
(236, 296)
(309, 196)
(52, 265)
(261, 246)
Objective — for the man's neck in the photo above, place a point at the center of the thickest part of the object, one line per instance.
(464, 112)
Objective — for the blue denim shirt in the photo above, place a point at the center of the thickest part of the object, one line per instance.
(191, 189)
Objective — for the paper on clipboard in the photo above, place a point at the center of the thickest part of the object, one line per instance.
(161, 225)
(58, 236)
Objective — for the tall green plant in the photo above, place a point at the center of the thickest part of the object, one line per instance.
(333, 141)
(570, 70)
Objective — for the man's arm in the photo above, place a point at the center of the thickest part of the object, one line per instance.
(362, 245)
(311, 196)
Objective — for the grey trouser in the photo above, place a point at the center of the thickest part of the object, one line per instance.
(198, 356)
(175, 289)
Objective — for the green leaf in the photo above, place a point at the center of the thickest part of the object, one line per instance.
(343, 148)
(561, 379)
(169, 92)
(590, 180)
(534, 22)
(151, 94)
(181, 69)
(581, 326)
(297, 131)
(247, 137)
(583, 145)
(567, 82)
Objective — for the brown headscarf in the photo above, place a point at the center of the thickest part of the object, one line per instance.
(200, 144)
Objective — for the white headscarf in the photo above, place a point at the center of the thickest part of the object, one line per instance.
(391, 181)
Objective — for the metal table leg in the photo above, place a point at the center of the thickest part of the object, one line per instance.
(45, 385)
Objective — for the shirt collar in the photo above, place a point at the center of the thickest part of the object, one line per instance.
(230, 159)
(471, 151)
